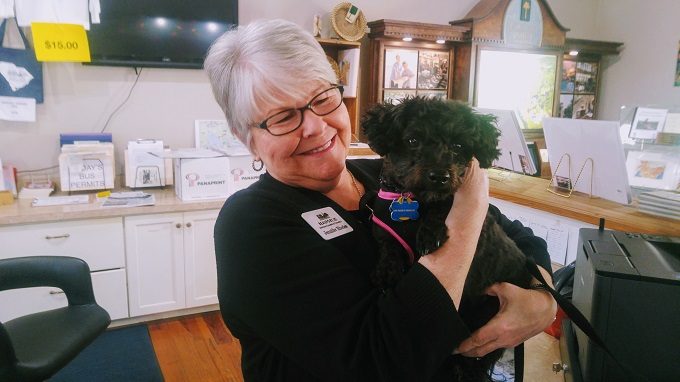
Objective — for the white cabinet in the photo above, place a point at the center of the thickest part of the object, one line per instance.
(170, 261)
(559, 232)
(97, 241)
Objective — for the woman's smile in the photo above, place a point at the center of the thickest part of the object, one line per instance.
(323, 148)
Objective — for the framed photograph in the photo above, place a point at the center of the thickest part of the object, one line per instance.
(568, 75)
(435, 94)
(585, 80)
(348, 67)
(566, 105)
(395, 96)
(584, 106)
(652, 170)
(647, 123)
(400, 70)
(433, 69)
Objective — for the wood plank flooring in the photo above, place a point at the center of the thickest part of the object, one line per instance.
(196, 348)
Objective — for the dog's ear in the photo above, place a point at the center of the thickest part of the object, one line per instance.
(378, 125)
(485, 142)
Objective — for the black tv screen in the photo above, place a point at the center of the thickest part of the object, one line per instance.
(159, 33)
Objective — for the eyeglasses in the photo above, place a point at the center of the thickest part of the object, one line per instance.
(289, 120)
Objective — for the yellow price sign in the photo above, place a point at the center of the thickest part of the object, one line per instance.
(60, 42)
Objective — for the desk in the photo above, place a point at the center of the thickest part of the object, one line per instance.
(531, 192)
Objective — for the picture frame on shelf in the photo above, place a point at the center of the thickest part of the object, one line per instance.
(433, 94)
(647, 123)
(566, 105)
(433, 69)
(586, 75)
(400, 69)
(652, 170)
(348, 69)
(395, 96)
(568, 76)
(583, 106)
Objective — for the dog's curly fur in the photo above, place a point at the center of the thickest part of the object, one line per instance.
(427, 146)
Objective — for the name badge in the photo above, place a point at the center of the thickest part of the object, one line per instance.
(327, 223)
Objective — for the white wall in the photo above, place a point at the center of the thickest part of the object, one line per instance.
(643, 74)
(165, 102)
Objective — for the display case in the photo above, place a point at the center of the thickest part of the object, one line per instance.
(580, 77)
(409, 59)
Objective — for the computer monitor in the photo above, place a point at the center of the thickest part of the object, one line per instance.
(515, 155)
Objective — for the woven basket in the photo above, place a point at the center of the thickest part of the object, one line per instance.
(350, 32)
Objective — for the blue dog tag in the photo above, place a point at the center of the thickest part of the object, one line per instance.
(403, 209)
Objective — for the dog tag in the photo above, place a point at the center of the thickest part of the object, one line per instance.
(403, 209)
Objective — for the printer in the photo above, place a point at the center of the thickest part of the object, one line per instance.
(628, 286)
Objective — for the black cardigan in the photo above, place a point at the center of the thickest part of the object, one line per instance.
(304, 308)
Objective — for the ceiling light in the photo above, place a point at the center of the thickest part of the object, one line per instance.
(440, 41)
(573, 52)
(407, 39)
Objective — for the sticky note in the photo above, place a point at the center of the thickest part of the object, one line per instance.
(60, 42)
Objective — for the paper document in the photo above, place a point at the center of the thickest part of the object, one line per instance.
(56, 11)
(60, 200)
(17, 109)
(129, 199)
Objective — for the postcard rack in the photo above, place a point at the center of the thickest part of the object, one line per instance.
(651, 141)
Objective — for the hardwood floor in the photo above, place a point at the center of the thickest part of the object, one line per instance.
(196, 348)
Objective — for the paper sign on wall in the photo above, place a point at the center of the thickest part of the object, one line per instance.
(60, 42)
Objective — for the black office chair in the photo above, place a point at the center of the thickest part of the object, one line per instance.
(35, 346)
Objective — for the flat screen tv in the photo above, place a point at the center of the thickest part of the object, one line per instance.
(159, 33)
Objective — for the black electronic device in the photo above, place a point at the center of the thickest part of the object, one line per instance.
(628, 286)
(159, 33)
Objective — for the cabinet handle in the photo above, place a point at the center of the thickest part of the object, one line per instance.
(189, 225)
(178, 225)
(64, 236)
(56, 292)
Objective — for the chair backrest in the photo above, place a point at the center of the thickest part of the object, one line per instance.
(70, 274)
(7, 357)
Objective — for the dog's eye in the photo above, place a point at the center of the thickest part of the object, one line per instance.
(413, 142)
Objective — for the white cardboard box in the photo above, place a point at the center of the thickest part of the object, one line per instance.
(241, 172)
(201, 177)
(207, 174)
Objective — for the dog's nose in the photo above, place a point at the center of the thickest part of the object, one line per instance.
(440, 177)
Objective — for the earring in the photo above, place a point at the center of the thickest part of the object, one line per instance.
(257, 166)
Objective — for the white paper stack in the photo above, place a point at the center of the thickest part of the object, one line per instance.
(86, 166)
(660, 203)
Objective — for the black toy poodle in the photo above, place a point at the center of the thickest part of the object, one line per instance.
(426, 146)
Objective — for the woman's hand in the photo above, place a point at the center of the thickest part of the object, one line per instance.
(472, 197)
(450, 263)
(523, 313)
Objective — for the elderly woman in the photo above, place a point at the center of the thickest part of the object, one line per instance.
(295, 251)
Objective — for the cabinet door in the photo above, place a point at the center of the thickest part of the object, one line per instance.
(109, 292)
(155, 263)
(97, 241)
(199, 256)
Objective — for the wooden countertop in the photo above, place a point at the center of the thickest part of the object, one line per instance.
(21, 211)
(516, 188)
(531, 192)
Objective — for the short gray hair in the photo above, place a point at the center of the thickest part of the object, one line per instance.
(266, 62)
